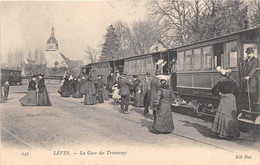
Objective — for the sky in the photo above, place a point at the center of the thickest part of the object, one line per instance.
(27, 25)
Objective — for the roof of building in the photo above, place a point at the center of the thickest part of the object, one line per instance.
(52, 38)
(71, 63)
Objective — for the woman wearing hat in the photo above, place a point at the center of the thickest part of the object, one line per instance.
(225, 123)
(43, 97)
(164, 121)
(30, 99)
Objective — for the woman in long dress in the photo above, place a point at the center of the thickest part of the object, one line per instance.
(164, 121)
(30, 99)
(65, 88)
(138, 94)
(89, 90)
(105, 94)
(43, 97)
(76, 88)
(225, 123)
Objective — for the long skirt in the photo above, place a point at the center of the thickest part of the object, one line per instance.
(105, 94)
(77, 94)
(100, 96)
(225, 122)
(164, 122)
(30, 99)
(43, 98)
(138, 99)
(90, 100)
(65, 93)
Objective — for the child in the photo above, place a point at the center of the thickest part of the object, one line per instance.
(115, 95)
(6, 89)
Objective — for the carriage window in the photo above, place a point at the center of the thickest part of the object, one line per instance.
(138, 66)
(180, 61)
(144, 65)
(188, 59)
(231, 54)
(134, 66)
(197, 58)
(126, 67)
(207, 54)
(131, 66)
(149, 65)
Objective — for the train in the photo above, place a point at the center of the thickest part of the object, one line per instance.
(14, 76)
(191, 70)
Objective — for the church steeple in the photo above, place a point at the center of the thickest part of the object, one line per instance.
(52, 31)
(52, 43)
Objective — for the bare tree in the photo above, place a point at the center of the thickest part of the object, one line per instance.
(122, 30)
(173, 20)
(92, 53)
(143, 36)
(254, 12)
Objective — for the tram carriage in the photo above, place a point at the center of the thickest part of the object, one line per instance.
(191, 69)
(12, 75)
(196, 69)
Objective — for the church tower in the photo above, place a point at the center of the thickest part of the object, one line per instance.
(52, 43)
(53, 57)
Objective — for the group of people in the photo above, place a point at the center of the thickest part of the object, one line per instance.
(154, 93)
(31, 98)
(225, 123)
(78, 87)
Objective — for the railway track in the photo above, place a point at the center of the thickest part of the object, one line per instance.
(18, 139)
(147, 125)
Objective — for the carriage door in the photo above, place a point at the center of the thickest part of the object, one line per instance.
(218, 52)
(172, 69)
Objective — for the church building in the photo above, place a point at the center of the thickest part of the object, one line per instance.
(57, 63)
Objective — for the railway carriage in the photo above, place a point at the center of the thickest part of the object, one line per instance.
(12, 75)
(197, 62)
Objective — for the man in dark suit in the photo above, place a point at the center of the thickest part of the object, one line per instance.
(123, 86)
(155, 86)
(250, 77)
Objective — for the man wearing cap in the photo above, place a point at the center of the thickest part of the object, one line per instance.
(249, 76)
(155, 86)
(138, 98)
(147, 92)
(100, 88)
(123, 86)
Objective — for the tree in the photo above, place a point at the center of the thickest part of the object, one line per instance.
(143, 36)
(122, 30)
(254, 12)
(92, 54)
(186, 21)
(173, 20)
(110, 46)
